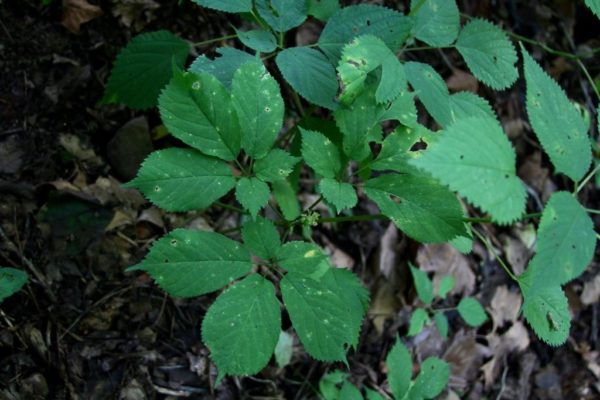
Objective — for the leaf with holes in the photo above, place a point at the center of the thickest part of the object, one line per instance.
(143, 68)
(253, 194)
(558, 125)
(418, 205)
(11, 281)
(224, 67)
(474, 157)
(276, 165)
(397, 149)
(261, 238)
(340, 194)
(232, 6)
(197, 109)
(436, 21)
(471, 311)
(547, 311)
(241, 328)
(282, 15)
(187, 263)
(183, 179)
(257, 101)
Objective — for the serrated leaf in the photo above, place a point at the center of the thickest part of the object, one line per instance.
(373, 395)
(328, 385)
(257, 101)
(257, 39)
(396, 149)
(350, 392)
(349, 22)
(320, 153)
(232, 6)
(594, 5)
(464, 244)
(340, 194)
(436, 21)
(310, 74)
(431, 91)
(276, 165)
(558, 125)
(318, 315)
(284, 349)
(282, 15)
(143, 68)
(300, 257)
(253, 194)
(423, 284)
(11, 281)
(183, 179)
(197, 109)
(474, 157)
(363, 55)
(402, 109)
(286, 198)
(467, 104)
(471, 311)
(323, 9)
(489, 53)
(187, 263)
(241, 328)
(399, 363)
(418, 319)
(421, 207)
(547, 311)
(261, 238)
(359, 124)
(566, 242)
(222, 67)
(441, 323)
(432, 379)
(446, 285)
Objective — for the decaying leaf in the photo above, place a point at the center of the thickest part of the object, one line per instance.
(443, 260)
(78, 12)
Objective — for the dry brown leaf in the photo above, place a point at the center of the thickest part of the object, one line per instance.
(515, 339)
(443, 260)
(136, 13)
(461, 80)
(465, 357)
(383, 305)
(591, 291)
(388, 252)
(77, 12)
(505, 306)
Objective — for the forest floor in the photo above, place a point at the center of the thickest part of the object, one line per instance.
(85, 329)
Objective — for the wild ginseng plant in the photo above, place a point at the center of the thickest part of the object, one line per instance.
(229, 111)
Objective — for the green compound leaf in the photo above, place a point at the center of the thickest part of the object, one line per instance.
(489, 54)
(431, 90)
(276, 165)
(301, 257)
(594, 5)
(197, 110)
(319, 315)
(253, 194)
(286, 198)
(547, 311)
(241, 328)
(258, 39)
(422, 284)
(224, 67)
(232, 6)
(320, 153)
(399, 363)
(396, 151)
(11, 281)
(418, 319)
(323, 9)
(261, 238)
(467, 104)
(436, 22)
(432, 379)
(441, 323)
(257, 101)
(472, 312)
(566, 242)
(282, 15)
(359, 124)
(349, 22)
(558, 125)
(310, 74)
(340, 194)
(188, 263)
(143, 68)
(421, 207)
(446, 285)
(363, 55)
(183, 179)
(474, 157)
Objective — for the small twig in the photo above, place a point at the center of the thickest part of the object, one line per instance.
(214, 40)
(586, 179)
(493, 251)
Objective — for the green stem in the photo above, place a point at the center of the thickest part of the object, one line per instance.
(589, 77)
(488, 220)
(591, 211)
(214, 40)
(230, 207)
(416, 8)
(493, 251)
(353, 218)
(586, 179)
(426, 48)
